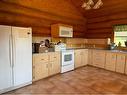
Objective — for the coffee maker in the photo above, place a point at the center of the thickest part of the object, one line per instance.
(35, 47)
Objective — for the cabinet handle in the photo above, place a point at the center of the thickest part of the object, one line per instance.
(54, 57)
(42, 59)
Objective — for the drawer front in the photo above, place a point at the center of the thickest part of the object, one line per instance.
(54, 56)
(41, 58)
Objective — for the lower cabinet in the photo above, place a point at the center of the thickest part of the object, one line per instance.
(54, 63)
(48, 64)
(78, 58)
(110, 61)
(90, 58)
(126, 66)
(120, 63)
(81, 57)
(84, 57)
(40, 71)
(98, 58)
(45, 65)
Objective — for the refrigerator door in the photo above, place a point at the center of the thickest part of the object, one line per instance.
(22, 48)
(5, 57)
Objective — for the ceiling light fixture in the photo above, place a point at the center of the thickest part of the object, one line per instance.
(91, 5)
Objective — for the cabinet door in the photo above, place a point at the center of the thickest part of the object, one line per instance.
(90, 57)
(84, 57)
(5, 57)
(120, 63)
(110, 61)
(54, 64)
(78, 58)
(54, 67)
(22, 47)
(40, 71)
(126, 66)
(98, 58)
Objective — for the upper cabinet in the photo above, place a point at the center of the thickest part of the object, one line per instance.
(61, 30)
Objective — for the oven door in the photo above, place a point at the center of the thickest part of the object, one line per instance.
(67, 58)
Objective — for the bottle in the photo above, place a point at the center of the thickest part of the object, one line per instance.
(119, 44)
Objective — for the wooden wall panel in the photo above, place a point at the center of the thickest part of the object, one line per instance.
(41, 14)
(100, 22)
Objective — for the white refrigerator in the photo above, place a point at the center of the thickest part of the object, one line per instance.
(15, 57)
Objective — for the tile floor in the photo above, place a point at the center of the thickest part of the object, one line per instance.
(83, 81)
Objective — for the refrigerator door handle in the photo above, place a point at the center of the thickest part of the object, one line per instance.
(10, 50)
(13, 50)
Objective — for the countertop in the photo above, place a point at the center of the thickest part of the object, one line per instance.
(107, 50)
(115, 51)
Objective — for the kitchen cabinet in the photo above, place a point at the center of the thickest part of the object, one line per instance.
(90, 58)
(61, 30)
(98, 58)
(126, 66)
(81, 57)
(45, 64)
(54, 63)
(120, 62)
(40, 66)
(78, 58)
(110, 61)
(84, 57)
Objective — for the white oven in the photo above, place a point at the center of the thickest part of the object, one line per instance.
(67, 58)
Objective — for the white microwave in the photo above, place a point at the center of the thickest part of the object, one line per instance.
(65, 31)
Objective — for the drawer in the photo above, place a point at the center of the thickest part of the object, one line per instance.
(41, 58)
(54, 56)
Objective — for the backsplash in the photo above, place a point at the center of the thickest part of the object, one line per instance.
(55, 40)
(75, 42)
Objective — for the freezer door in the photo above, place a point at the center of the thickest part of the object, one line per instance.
(22, 48)
(5, 57)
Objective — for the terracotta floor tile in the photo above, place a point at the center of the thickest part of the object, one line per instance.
(83, 81)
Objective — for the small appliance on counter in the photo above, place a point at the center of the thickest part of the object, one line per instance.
(42, 47)
(35, 47)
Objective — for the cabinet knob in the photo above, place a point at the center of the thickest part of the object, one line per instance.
(28, 33)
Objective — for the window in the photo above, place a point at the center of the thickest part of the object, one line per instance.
(120, 34)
